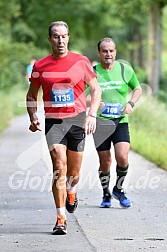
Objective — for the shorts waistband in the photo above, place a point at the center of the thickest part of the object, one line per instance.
(78, 117)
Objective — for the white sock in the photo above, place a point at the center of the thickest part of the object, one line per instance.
(71, 188)
(61, 211)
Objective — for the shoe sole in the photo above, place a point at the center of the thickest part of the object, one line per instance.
(59, 232)
(105, 206)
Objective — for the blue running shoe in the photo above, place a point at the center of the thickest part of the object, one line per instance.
(123, 200)
(106, 202)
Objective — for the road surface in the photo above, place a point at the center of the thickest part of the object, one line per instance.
(27, 212)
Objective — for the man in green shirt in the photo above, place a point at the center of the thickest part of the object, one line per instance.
(120, 91)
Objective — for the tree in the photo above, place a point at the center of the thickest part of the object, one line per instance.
(25, 24)
(153, 9)
(155, 44)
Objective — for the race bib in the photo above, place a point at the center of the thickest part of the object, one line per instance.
(62, 97)
(112, 110)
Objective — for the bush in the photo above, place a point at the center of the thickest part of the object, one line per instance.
(14, 59)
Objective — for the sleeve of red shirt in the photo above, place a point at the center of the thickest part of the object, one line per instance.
(35, 77)
(88, 71)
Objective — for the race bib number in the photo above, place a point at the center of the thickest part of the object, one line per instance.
(62, 97)
(112, 110)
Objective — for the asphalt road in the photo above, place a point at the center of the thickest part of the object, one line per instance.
(27, 212)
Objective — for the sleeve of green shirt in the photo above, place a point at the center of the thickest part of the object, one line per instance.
(131, 77)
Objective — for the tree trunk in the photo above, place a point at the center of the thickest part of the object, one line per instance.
(154, 47)
(136, 49)
(140, 50)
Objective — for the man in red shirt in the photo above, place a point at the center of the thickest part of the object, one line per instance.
(63, 76)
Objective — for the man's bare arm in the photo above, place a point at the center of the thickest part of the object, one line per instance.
(136, 94)
(90, 121)
(95, 95)
(31, 100)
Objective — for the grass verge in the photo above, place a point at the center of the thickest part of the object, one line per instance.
(148, 130)
(12, 104)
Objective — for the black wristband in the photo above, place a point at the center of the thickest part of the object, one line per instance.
(131, 103)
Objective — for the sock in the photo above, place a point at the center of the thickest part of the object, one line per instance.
(105, 180)
(70, 188)
(61, 211)
(121, 173)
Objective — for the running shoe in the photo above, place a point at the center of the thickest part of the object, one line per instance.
(106, 202)
(123, 200)
(71, 202)
(61, 226)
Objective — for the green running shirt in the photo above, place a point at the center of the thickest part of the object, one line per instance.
(116, 85)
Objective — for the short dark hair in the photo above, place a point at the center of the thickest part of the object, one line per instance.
(107, 39)
(57, 23)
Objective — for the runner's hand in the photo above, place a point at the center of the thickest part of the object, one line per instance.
(34, 126)
(89, 125)
(127, 109)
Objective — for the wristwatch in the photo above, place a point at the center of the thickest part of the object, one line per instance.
(92, 114)
(131, 103)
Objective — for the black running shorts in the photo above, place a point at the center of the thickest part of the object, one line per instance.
(67, 131)
(103, 139)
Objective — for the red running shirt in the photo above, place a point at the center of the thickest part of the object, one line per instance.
(63, 83)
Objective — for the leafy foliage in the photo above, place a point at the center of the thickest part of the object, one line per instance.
(24, 27)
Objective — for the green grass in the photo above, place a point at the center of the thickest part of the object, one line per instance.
(11, 105)
(148, 128)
